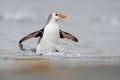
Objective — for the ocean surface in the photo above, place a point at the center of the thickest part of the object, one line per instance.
(96, 24)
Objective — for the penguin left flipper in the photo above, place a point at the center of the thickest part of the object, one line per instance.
(67, 35)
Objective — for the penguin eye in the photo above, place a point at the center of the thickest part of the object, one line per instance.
(56, 14)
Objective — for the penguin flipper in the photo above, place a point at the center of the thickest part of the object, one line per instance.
(64, 34)
(31, 35)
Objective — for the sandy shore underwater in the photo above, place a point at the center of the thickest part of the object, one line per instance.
(24, 68)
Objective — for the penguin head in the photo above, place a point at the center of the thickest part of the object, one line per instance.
(57, 15)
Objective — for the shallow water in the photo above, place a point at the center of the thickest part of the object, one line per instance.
(95, 23)
(46, 68)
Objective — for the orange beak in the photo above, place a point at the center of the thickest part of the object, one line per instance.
(62, 15)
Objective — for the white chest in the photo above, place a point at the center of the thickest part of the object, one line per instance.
(51, 32)
(50, 38)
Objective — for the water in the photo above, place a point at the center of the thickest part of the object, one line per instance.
(95, 23)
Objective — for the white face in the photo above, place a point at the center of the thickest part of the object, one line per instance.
(58, 15)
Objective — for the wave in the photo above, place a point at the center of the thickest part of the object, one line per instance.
(112, 20)
(31, 16)
(19, 16)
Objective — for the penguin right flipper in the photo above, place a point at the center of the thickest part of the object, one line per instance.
(31, 35)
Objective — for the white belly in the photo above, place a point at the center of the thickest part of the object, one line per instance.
(50, 38)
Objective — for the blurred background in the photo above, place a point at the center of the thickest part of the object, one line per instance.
(96, 23)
